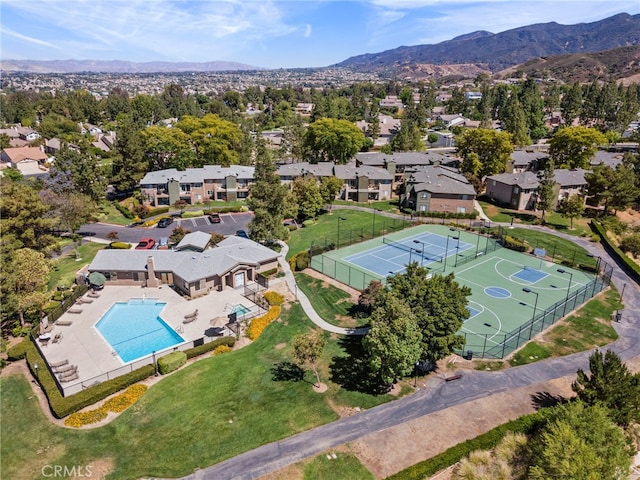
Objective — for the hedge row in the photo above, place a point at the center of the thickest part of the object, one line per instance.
(514, 244)
(155, 211)
(258, 324)
(486, 441)
(628, 265)
(273, 298)
(120, 245)
(171, 362)
(236, 209)
(63, 406)
(460, 216)
(192, 214)
(207, 347)
(126, 213)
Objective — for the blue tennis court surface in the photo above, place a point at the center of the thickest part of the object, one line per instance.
(425, 248)
(497, 292)
(472, 311)
(530, 275)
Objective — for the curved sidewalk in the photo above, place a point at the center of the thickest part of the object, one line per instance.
(306, 304)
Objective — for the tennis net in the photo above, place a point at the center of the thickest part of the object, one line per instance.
(417, 251)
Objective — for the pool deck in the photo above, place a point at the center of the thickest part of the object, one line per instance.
(82, 345)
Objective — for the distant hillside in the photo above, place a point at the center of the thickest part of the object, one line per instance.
(499, 51)
(615, 64)
(118, 66)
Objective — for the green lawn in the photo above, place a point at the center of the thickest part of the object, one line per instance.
(66, 266)
(557, 248)
(552, 219)
(343, 467)
(331, 303)
(357, 224)
(587, 327)
(211, 410)
(386, 205)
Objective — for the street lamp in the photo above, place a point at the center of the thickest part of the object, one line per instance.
(421, 252)
(155, 365)
(35, 369)
(339, 218)
(597, 262)
(562, 270)
(373, 227)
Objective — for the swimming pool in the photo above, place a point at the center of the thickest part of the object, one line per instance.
(134, 329)
(240, 309)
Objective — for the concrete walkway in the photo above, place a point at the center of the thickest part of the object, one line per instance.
(438, 395)
(306, 304)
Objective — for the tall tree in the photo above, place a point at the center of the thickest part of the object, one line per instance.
(599, 183)
(579, 443)
(167, 148)
(573, 147)
(328, 139)
(270, 200)
(611, 384)
(329, 188)
(439, 304)
(571, 104)
(129, 162)
(216, 141)
(373, 125)
(28, 291)
(515, 122)
(77, 172)
(307, 196)
(572, 207)
(533, 106)
(393, 343)
(307, 349)
(546, 192)
(493, 149)
(408, 138)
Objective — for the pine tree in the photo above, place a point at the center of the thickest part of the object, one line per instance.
(546, 192)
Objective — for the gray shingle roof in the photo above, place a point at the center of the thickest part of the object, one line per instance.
(437, 179)
(190, 266)
(351, 172)
(529, 180)
(525, 158)
(321, 169)
(402, 158)
(194, 241)
(197, 175)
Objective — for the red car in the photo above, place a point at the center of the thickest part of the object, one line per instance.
(146, 244)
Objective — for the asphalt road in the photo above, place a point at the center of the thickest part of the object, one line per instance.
(230, 223)
(437, 396)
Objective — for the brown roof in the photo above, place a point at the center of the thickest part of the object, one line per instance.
(19, 154)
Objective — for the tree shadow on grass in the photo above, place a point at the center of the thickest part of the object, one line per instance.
(352, 371)
(287, 372)
(546, 399)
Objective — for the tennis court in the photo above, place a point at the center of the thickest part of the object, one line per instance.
(513, 295)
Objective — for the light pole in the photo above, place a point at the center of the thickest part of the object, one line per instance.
(562, 270)
(597, 262)
(35, 369)
(155, 365)
(446, 254)
(373, 227)
(339, 218)
(421, 252)
(535, 306)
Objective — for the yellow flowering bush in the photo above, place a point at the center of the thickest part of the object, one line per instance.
(117, 404)
(258, 324)
(274, 298)
(221, 349)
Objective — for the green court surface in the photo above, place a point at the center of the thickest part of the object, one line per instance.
(514, 295)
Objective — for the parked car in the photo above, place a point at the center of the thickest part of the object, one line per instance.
(242, 233)
(146, 244)
(215, 218)
(163, 244)
(165, 222)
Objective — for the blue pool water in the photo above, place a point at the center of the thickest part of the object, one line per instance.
(134, 329)
(240, 309)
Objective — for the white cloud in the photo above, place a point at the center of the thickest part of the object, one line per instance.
(308, 29)
(19, 36)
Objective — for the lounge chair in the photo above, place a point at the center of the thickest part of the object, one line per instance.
(64, 369)
(74, 310)
(61, 363)
(93, 294)
(69, 373)
(191, 315)
(69, 378)
(57, 338)
(81, 300)
(64, 323)
(190, 319)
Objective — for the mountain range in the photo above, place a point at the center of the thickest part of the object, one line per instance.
(465, 55)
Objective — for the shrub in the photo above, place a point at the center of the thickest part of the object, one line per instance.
(627, 263)
(196, 213)
(207, 347)
(116, 404)
(120, 245)
(514, 244)
(154, 212)
(308, 222)
(171, 362)
(269, 272)
(273, 298)
(302, 261)
(126, 213)
(631, 243)
(221, 349)
(243, 208)
(258, 324)
(19, 350)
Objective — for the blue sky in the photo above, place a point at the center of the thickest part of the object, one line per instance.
(263, 33)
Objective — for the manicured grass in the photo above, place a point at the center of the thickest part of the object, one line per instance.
(552, 219)
(331, 303)
(67, 265)
(110, 214)
(325, 231)
(343, 467)
(556, 247)
(386, 205)
(587, 327)
(202, 414)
